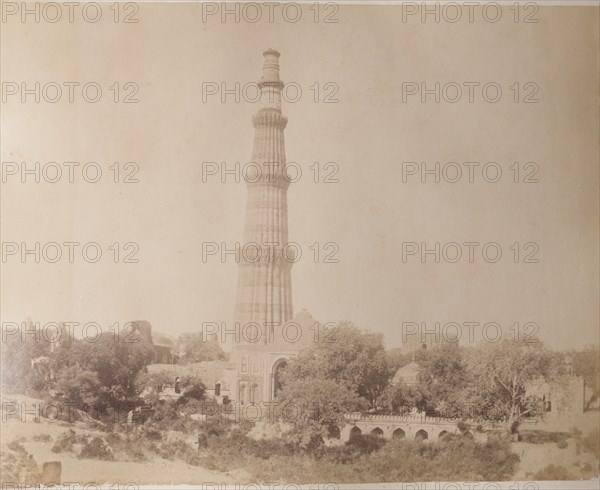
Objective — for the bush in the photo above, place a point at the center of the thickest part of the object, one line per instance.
(196, 392)
(177, 450)
(17, 465)
(96, 449)
(151, 434)
(42, 438)
(215, 426)
(552, 472)
(542, 437)
(366, 443)
(457, 458)
(65, 442)
(590, 443)
(192, 400)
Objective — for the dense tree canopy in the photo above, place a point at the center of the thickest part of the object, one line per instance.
(493, 382)
(444, 380)
(356, 360)
(96, 373)
(400, 398)
(315, 406)
(505, 375)
(100, 373)
(193, 347)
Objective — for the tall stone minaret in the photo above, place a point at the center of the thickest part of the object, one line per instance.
(264, 293)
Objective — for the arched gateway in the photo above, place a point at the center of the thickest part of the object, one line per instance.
(276, 384)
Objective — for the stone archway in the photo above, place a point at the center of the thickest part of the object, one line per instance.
(377, 432)
(421, 435)
(278, 368)
(443, 435)
(355, 432)
(333, 432)
(399, 434)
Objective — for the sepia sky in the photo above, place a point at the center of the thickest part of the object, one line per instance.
(369, 213)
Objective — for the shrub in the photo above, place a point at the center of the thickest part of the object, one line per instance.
(195, 392)
(542, 437)
(192, 398)
(17, 465)
(151, 434)
(552, 472)
(457, 458)
(65, 442)
(366, 443)
(96, 449)
(42, 438)
(215, 426)
(136, 454)
(590, 443)
(177, 449)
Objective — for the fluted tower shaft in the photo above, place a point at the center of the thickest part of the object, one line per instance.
(264, 293)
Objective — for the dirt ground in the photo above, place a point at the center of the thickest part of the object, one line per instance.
(535, 457)
(83, 471)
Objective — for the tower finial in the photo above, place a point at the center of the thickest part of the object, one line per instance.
(271, 68)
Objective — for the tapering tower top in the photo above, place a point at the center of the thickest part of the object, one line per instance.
(270, 84)
(270, 74)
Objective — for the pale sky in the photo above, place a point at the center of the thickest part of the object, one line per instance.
(368, 54)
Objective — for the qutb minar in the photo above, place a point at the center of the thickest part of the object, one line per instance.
(264, 291)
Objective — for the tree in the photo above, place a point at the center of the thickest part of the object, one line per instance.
(503, 376)
(587, 365)
(195, 348)
(397, 358)
(314, 407)
(82, 389)
(399, 399)
(443, 379)
(356, 360)
(20, 370)
(113, 364)
(154, 381)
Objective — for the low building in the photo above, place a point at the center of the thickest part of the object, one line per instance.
(163, 354)
(163, 351)
(217, 376)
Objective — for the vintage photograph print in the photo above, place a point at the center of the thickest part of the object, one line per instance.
(300, 245)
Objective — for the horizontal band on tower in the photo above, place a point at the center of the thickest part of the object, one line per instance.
(269, 117)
